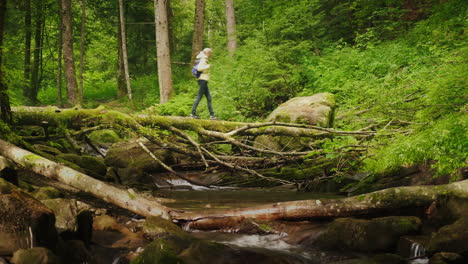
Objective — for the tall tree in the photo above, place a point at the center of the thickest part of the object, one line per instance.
(59, 57)
(82, 45)
(5, 111)
(121, 90)
(27, 47)
(124, 49)
(198, 28)
(36, 67)
(163, 51)
(231, 26)
(67, 46)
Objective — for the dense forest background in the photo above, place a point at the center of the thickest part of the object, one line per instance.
(396, 66)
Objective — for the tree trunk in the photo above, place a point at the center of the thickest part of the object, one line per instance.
(5, 111)
(163, 51)
(198, 29)
(82, 46)
(59, 57)
(27, 48)
(67, 46)
(124, 50)
(35, 83)
(127, 199)
(231, 27)
(121, 90)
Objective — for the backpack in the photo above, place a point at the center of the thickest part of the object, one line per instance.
(196, 73)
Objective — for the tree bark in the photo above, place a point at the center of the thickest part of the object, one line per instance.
(27, 47)
(82, 46)
(5, 111)
(59, 57)
(231, 26)
(121, 90)
(67, 46)
(35, 80)
(163, 51)
(127, 199)
(198, 29)
(124, 50)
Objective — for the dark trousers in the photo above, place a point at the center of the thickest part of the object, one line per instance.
(203, 90)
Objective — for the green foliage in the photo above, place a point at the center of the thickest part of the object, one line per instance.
(444, 142)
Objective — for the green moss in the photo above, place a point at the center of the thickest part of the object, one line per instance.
(44, 193)
(131, 195)
(104, 136)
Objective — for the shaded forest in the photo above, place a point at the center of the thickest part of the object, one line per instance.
(361, 100)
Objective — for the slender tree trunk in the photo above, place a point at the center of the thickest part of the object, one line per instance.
(231, 27)
(163, 51)
(124, 50)
(82, 46)
(120, 66)
(5, 111)
(67, 46)
(59, 59)
(27, 48)
(35, 84)
(198, 28)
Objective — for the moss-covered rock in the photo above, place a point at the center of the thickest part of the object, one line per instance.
(92, 166)
(160, 251)
(36, 255)
(104, 136)
(451, 238)
(157, 227)
(74, 218)
(378, 234)
(318, 109)
(23, 217)
(45, 193)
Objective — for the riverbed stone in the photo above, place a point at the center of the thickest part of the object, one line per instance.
(24, 221)
(378, 234)
(451, 238)
(36, 255)
(109, 233)
(74, 218)
(156, 227)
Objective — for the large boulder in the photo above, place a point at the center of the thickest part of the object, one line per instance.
(318, 109)
(74, 218)
(24, 221)
(378, 234)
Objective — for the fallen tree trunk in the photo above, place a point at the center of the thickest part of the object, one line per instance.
(127, 199)
(388, 201)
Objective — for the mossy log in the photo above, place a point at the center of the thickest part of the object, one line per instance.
(77, 116)
(384, 202)
(127, 199)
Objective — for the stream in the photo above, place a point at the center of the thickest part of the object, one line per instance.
(289, 240)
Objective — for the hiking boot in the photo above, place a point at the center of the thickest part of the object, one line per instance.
(213, 117)
(194, 116)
